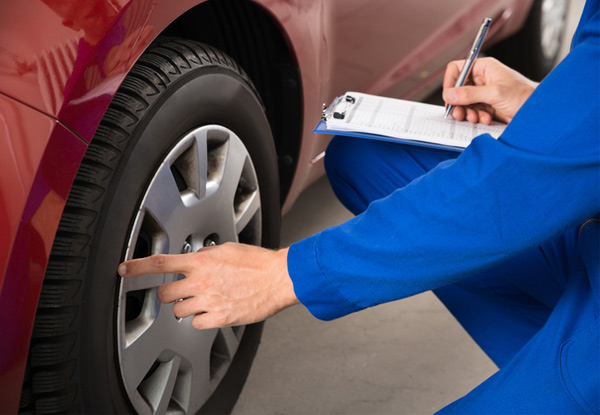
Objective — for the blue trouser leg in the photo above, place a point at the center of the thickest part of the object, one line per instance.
(522, 312)
(361, 171)
(556, 371)
(518, 296)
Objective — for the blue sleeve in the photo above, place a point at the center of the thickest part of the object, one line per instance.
(497, 199)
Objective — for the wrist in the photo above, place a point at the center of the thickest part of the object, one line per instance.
(285, 290)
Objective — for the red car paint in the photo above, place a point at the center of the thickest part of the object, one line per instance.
(61, 62)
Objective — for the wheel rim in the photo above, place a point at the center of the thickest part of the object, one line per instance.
(204, 192)
(553, 21)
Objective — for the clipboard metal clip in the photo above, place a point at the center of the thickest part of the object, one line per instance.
(338, 108)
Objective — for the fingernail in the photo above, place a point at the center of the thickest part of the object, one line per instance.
(122, 270)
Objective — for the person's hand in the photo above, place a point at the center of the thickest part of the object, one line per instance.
(493, 91)
(226, 285)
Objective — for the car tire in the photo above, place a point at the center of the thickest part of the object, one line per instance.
(535, 49)
(184, 157)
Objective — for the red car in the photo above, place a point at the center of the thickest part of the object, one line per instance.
(134, 127)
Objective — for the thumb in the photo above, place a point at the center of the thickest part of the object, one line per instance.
(467, 95)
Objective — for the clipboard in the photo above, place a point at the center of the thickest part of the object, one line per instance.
(321, 128)
(399, 121)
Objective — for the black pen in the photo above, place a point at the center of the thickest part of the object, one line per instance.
(466, 70)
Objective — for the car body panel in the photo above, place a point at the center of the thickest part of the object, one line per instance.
(72, 72)
(62, 61)
(338, 53)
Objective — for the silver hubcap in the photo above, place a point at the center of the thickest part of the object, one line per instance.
(205, 192)
(554, 15)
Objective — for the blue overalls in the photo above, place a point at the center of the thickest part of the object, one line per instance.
(506, 235)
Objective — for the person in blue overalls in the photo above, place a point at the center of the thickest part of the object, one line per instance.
(506, 234)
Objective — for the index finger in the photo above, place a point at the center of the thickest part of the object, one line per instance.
(452, 71)
(155, 264)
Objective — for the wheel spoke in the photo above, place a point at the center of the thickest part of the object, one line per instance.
(246, 211)
(138, 358)
(163, 200)
(138, 308)
(158, 388)
(189, 161)
(201, 173)
(236, 158)
(231, 340)
(142, 282)
(200, 382)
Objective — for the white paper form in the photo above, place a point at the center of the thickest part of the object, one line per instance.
(406, 120)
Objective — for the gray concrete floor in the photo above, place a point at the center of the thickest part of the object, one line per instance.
(405, 357)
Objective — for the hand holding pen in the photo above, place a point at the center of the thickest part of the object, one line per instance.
(495, 91)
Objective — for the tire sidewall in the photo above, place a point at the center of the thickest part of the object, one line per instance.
(206, 95)
(540, 63)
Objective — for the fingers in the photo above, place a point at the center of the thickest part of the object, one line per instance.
(187, 307)
(209, 321)
(474, 114)
(458, 113)
(155, 264)
(469, 103)
(207, 314)
(451, 75)
(205, 321)
(476, 90)
(484, 115)
(469, 95)
(173, 291)
(481, 66)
